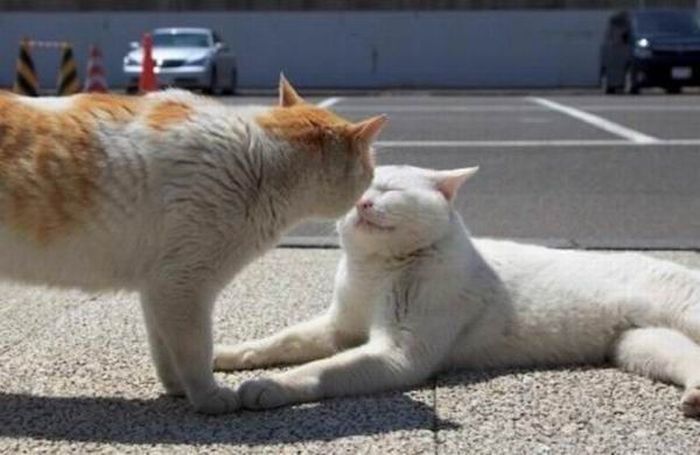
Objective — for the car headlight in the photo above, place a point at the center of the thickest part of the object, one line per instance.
(198, 61)
(642, 48)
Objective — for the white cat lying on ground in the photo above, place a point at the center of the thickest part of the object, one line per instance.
(414, 295)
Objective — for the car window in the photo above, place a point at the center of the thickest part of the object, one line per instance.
(180, 40)
(617, 29)
(667, 23)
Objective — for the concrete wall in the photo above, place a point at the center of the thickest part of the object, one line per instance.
(345, 49)
(328, 5)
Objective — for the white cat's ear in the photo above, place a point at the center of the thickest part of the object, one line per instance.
(367, 131)
(287, 95)
(449, 182)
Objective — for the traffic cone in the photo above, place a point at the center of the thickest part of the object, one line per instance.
(147, 81)
(68, 83)
(95, 79)
(26, 82)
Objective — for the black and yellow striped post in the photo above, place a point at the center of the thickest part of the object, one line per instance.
(68, 72)
(26, 82)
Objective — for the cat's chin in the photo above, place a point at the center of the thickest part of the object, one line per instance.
(364, 224)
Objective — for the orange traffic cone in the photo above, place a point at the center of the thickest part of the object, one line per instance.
(95, 80)
(147, 81)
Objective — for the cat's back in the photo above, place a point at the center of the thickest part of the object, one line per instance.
(60, 155)
(541, 276)
(74, 179)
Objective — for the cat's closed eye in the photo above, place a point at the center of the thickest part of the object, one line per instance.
(385, 189)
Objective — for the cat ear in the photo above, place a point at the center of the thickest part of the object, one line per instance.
(367, 131)
(287, 95)
(449, 182)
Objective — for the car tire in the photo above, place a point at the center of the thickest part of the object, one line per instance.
(605, 86)
(631, 87)
(231, 89)
(211, 88)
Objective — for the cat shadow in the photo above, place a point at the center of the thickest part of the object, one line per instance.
(170, 421)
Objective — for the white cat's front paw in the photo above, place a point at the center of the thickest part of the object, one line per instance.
(264, 393)
(230, 358)
(173, 389)
(690, 403)
(221, 400)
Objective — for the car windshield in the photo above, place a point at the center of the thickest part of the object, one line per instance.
(668, 23)
(180, 40)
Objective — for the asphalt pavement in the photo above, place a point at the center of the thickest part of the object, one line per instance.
(586, 171)
(581, 171)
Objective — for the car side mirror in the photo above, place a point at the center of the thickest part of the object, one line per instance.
(134, 45)
(221, 46)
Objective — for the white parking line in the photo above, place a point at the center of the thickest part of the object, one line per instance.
(438, 109)
(640, 107)
(328, 102)
(598, 122)
(537, 143)
(515, 108)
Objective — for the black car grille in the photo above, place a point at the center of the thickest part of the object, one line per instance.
(171, 63)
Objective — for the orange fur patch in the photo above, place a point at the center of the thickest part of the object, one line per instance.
(49, 161)
(104, 106)
(302, 123)
(168, 113)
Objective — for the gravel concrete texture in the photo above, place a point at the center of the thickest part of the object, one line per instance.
(75, 377)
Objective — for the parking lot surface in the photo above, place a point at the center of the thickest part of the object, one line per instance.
(570, 171)
(581, 171)
(75, 377)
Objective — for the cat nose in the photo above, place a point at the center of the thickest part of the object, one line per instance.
(364, 204)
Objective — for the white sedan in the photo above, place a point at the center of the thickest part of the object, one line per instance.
(193, 58)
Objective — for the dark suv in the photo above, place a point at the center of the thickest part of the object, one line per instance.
(650, 48)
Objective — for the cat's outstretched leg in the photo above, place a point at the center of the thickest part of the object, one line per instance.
(384, 363)
(309, 340)
(181, 320)
(664, 354)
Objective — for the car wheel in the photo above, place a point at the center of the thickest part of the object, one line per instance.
(605, 83)
(631, 86)
(673, 89)
(231, 89)
(211, 88)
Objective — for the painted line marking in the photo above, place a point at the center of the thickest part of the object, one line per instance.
(438, 109)
(512, 108)
(328, 102)
(538, 143)
(598, 122)
(641, 107)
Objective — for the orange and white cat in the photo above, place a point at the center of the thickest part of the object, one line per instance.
(169, 195)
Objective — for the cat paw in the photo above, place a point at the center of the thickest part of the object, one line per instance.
(230, 358)
(690, 403)
(263, 393)
(221, 400)
(174, 390)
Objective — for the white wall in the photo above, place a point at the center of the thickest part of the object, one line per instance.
(345, 49)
